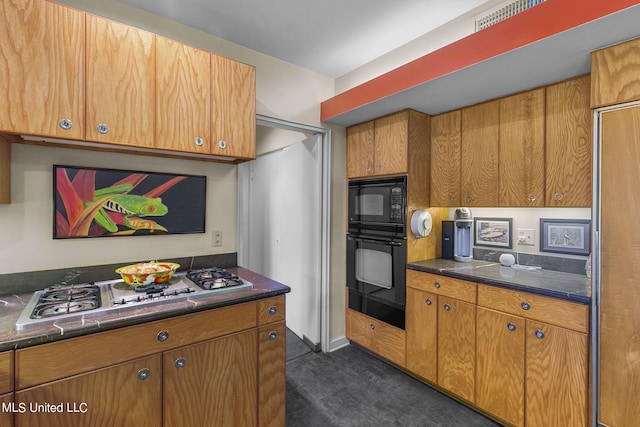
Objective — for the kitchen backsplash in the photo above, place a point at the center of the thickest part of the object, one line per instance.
(555, 263)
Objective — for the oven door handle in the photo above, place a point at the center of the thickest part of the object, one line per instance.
(375, 241)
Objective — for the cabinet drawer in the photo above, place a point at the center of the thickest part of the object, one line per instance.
(442, 285)
(48, 362)
(6, 372)
(271, 310)
(377, 336)
(557, 312)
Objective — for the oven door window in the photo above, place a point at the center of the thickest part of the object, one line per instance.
(374, 267)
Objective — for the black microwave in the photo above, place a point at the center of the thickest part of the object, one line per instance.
(378, 202)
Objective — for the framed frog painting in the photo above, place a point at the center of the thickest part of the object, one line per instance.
(94, 202)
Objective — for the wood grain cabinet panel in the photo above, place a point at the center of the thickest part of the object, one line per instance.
(569, 144)
(121, 81)
(183, 97)
(441, 285)
(42, 69)
(6, 417)
(391, 144)
(422, 333)
(133, 390)
(500, 365)
(360, 150)
(272, 350)
(614, 74)
(445, 159)
(233, 108)
(521, 163)
(479, 150)
(379, 337)
(6, 372)
(271, 310)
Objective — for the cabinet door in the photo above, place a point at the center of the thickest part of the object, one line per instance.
(500, 387)
(233, 120)
(456, 347)
(614, 74)
(377, 336)
(445, 159)
(120, 83)
(360, 150)
(522, 149)
(479, 166)
(391, 144)
(422, 333)
(125, 394)
(569, 144)
(272, 350)
(213, 383)
(556, 376)
(183, 97)
(42, 69)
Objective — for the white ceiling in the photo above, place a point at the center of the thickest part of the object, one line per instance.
(331, 37)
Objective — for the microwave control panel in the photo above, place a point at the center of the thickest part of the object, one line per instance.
(397, 202)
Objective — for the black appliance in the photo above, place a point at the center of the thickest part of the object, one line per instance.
(448, 239)
(376, 248)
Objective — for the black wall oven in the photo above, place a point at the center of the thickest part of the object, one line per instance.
(376, 249)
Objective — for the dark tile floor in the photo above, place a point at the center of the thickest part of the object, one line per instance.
(350, 387)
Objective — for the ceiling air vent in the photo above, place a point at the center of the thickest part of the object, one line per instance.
(505, 12)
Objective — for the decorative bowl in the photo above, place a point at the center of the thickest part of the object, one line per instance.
(147, 273)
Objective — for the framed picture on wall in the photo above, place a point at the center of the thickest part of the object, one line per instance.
(495, 232)
(94, 202)
(566, 236)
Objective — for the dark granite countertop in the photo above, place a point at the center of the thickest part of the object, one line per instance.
(11, 306)
(569, 286)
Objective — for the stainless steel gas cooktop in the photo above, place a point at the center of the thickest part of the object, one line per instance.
(63, 303)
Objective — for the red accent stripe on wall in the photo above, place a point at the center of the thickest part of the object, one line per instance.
(536, 23)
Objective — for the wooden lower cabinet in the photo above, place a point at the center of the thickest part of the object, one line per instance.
(272, 348)
(500, 351)
(6, 414)
(377, 336)
(422, 333)
(212, 383)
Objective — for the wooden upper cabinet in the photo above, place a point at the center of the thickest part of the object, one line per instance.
(480, 138)
(120, 97)
(391, 144)
(183, 101)
(42, 69)
(568, 144)
(521, 163)
(233, 93)
(445, 159)
(360, 150)
(614, 74)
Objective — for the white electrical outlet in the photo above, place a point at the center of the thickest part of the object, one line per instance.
(526, 236)
(216, 239)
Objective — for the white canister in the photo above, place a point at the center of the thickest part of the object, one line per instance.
(507, 260)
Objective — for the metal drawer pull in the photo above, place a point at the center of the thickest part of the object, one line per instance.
(222, 144)
(273, 335)
(452, 199)
(469, 198)
(539, 334)
(65, 124)
(372, 326)
(525, 306)
(273, 309)
(437, 285)
(102, 128)
(180, 363)
(532, 198)
(143, 374)
(163, 336)
(198, 141)
(428, 301)
(447, 307)
(511, 326)
(558, 196)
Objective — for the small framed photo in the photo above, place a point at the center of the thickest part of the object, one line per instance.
(565, 236)
(494, 232)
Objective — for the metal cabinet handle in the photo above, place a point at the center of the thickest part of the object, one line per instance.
(102, 128)
(469, 198)
(372, 326)
(428, 301)
(273, 310)
(143, 374)
(368, 169)
(180, 363)
(379, 167)
(532, 198)
(452, 199)
(222, 144)
(163, 336)
(511, 326)
(273, 335)
(65, 124)
(447, 307)
(437, 285)
(539, 334)
(198, 141)
(525, 306)
(558, 196)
